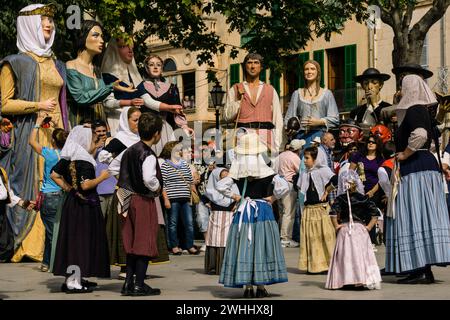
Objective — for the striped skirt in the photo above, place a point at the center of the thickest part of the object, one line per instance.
(419, 235)
(317, 238)
(253, 254)
(218, 227)
(216, 239)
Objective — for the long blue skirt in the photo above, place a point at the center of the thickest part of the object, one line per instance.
(420, 233)
(256, 262)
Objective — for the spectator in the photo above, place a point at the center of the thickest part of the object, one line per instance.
(367, 163)
(178, 183)
(50, 194)
(287, 165)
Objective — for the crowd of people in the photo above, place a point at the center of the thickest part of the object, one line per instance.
(90, 163)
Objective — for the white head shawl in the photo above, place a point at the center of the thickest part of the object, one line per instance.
(214, 195)
(78, 144)
(348, 177)
(415, 91)
(124, 134)
(113, 64)
(249, 165)
(320, 174)
(30, 37)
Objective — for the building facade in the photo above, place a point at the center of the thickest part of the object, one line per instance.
(357, 47)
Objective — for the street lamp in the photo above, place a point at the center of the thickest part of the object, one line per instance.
(217, 97)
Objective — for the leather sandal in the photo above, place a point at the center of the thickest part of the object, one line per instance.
(196, 252)
(177, 253)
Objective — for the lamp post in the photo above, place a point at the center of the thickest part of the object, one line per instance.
(217, 97)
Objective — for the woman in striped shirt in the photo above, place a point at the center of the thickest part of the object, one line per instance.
(177, 186)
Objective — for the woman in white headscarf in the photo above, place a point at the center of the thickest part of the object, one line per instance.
(417, 223)
(82, 236)
(253, 253)
(118, 64)
(317, 235)
(31, 82)
(220, 219)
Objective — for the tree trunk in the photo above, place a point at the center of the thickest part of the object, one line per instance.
(405, 52)
(408, 41)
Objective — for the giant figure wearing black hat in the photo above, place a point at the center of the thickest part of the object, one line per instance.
(400, 72)
(369, 114)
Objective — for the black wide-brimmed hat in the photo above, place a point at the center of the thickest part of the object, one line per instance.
(413, 69)
(372, 73)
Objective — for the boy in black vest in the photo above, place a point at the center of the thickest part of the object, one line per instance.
(140, 183)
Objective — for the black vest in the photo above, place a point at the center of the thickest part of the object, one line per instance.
(130, 176)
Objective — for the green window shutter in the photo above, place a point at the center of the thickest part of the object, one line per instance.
(275, 82)
(302, 58)
(262, 75)
(234, 74)
(319, 57)
(349, 77)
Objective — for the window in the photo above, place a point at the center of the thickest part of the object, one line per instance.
(169, 65)
(188, 92)
(349, 76)
(336, 74)
(424, 55)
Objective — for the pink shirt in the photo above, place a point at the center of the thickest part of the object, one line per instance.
(288, 164)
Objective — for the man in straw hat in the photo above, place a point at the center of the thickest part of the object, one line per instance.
(255, 105)
(369, 114)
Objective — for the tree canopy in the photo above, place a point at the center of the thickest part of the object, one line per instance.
(278, 26)
(274, 28)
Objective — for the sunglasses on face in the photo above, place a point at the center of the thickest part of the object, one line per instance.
(371, 142)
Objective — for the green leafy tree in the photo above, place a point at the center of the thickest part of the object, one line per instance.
(279, 26)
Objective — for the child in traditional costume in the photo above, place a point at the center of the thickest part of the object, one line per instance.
(353, 215)
(253, 253)
(220, 219)
(140, 184)
(317, 232)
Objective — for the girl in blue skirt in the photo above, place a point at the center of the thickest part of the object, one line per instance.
(253, 253)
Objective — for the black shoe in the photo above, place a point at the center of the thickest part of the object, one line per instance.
(74, 290)
(261, 293)
(383, 272)
(89, 284)
(417, 278)
(127, 288)
(249, 293)
(145, 290)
